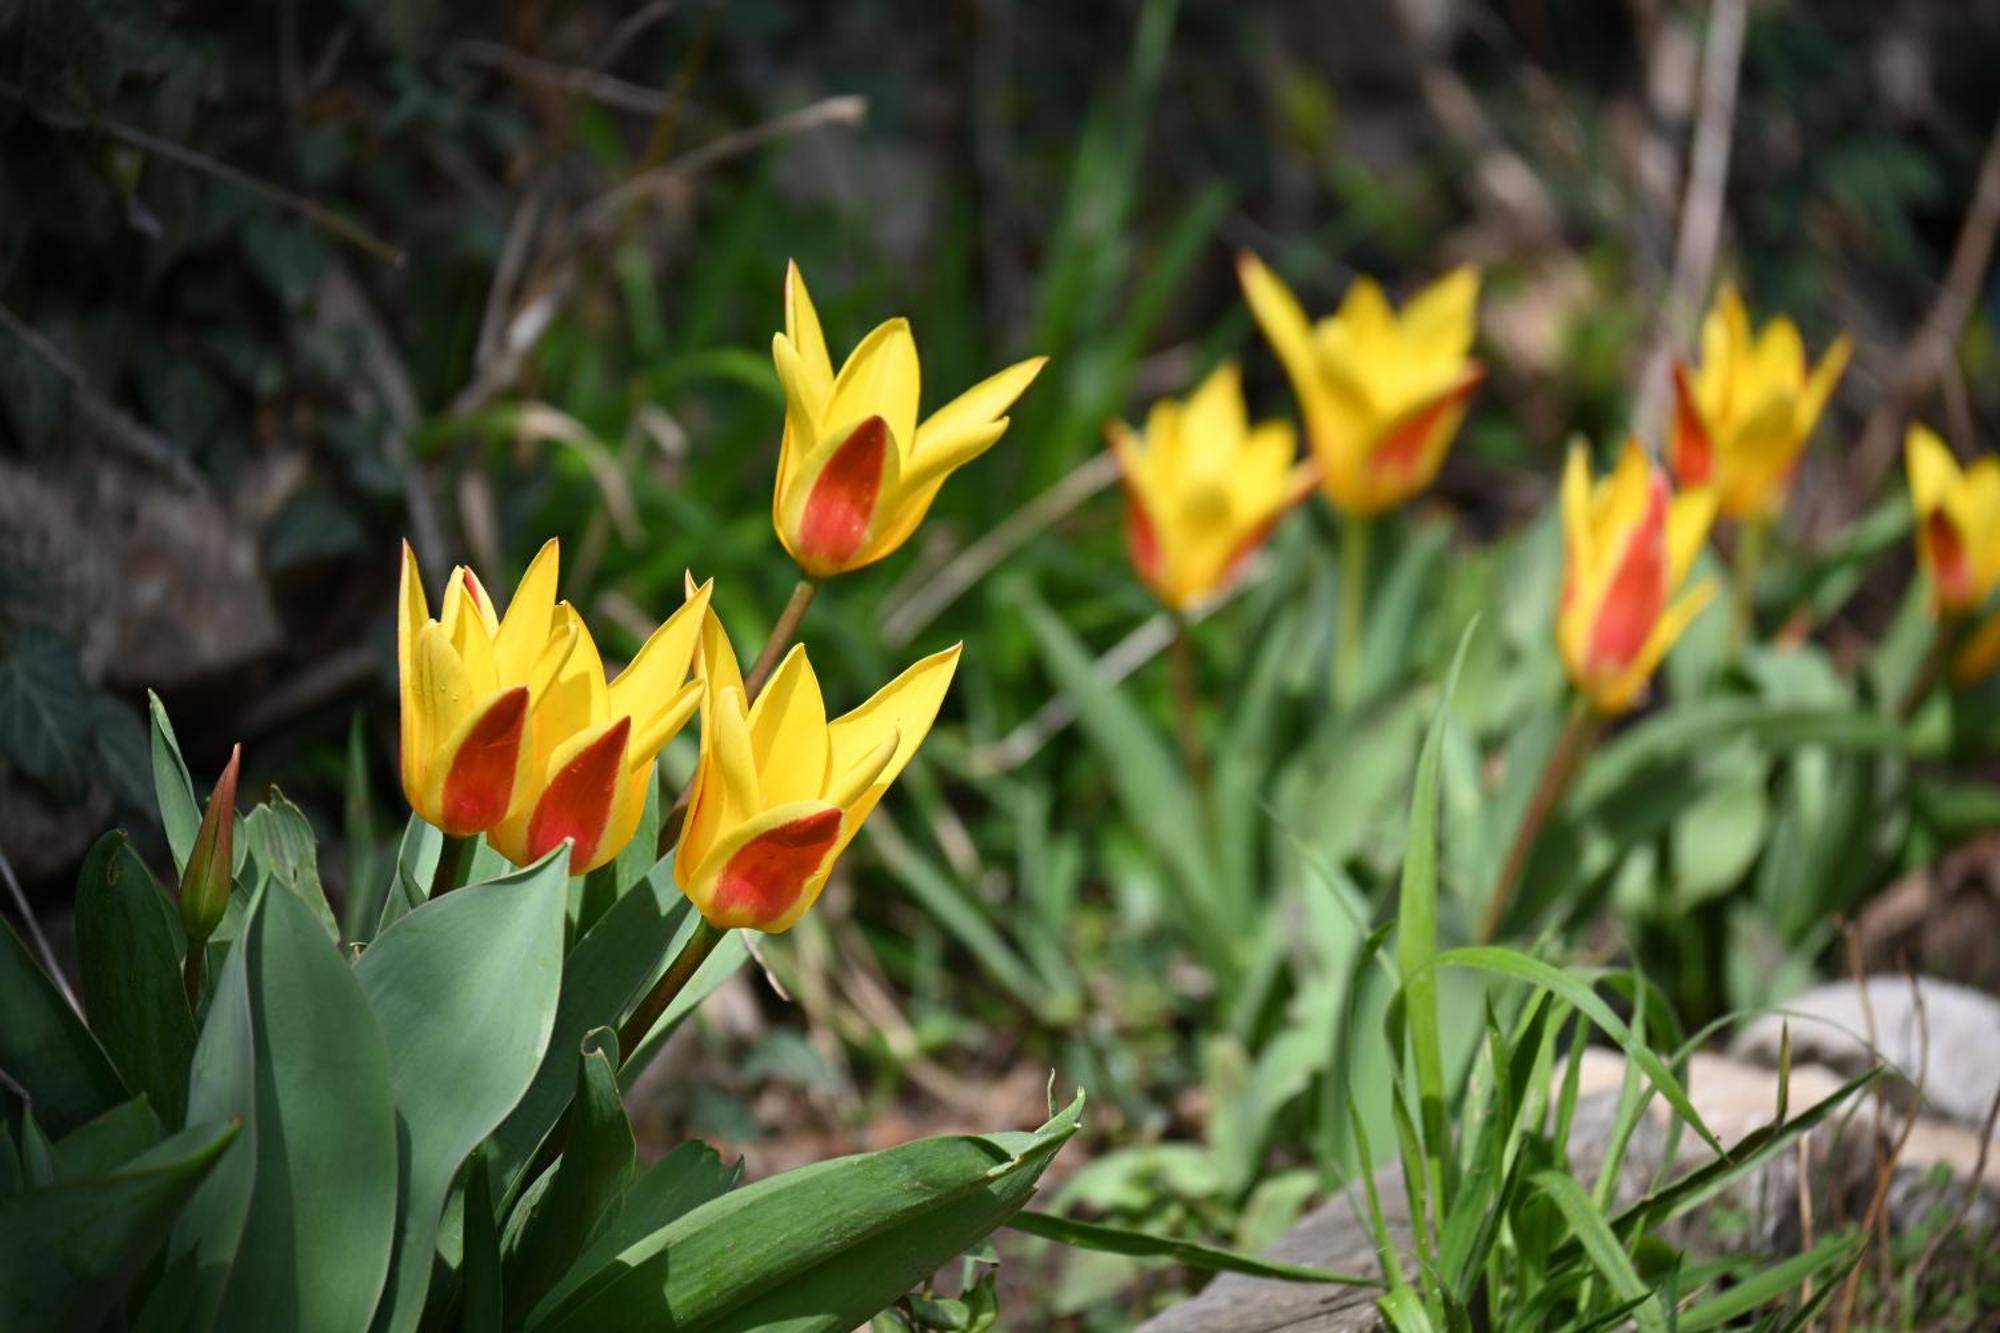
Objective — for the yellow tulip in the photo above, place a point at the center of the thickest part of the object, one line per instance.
(780, 791)
(1203, 488)
(509, 727)
(1629, 543)
(1742, 419)
(1979, 655)
(856, 472)
(1957, 515)
(1383, 393)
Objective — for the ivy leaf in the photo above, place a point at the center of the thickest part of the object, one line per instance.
(45, 713)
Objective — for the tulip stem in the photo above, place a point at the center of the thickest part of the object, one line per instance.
(1579, 733)
(1751, 540)
(1187, 715)
(672, 981)
(1933, 668)
(454, 859)
(1355, 535)
(781, 638)
(197, 951)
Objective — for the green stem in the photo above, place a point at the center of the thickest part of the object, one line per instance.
(697, 949)
(1752, 538)
(1355, 535)
(1579, 733)
(1934, 668)
(1194, 755)
(197, 951)
(454, 859)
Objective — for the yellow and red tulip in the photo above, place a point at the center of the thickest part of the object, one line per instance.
(1383, 393)
(856, 472)
(1742, 418)
(1203, 488)
(211, 865)
(1957, 515)
(1629, 542)
(510, 728)
(780, 791)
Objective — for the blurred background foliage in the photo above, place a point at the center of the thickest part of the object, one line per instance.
(281, 284)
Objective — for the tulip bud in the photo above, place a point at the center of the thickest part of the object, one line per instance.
(211, 866)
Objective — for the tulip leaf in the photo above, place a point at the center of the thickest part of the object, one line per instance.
(604, 975)
(101, 1146)
(599, 1157)
(721, 964)
(69, 1251)
(315, 1242)
(45, 1049)
(1117, 1240)
(180, 813)
(480, 1269)
(129, 947)
(363, 906)
(775, 1255)
(281, 840)
(465, 988)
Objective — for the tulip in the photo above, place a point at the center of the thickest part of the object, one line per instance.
(211, 865)
(510, 728)
(1629, 543)
(1979, 655)
(780, 791)
(856, 472)
(1383, 393)
(1203, 488)
(1742, 419)
(1957, 517)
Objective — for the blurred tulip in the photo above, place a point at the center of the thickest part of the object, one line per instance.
(1742, 419)
(1203, 488)
(1957, 517)
(856, 473)
(1979, 655)
(211, 866)
(1628, 545)
(1383, 393)
(780, 791)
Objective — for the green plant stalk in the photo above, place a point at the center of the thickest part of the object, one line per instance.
(1752, 541)
(1356, 535)
(191, 966)
(679, 972)
(1194, 755)
(454, 859)
(1935, 668)
(1579, 733)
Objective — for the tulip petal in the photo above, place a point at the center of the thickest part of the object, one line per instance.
(480, 769)
(1820, 384)
(444, 693)
(656, 671)
(1628, 686)
(788, 740)
(765, 873)
(465, 615)
(1282, 319)
(977, 408)
(1977, 657)
(802, 328)
(577, 798)
(1408, 455)
(1692, 448)
(1636, 589)
(905, 707)
(1689, 519)
(845, 489)
(1440, 321)
(664, 725)
(881, 379)
(523, 637)
(411, 615)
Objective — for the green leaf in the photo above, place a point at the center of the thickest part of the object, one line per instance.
(284, 849)
(365, 885)
(314, 1090)
(1779, 1280)
(180, 814)
(465, 988)
(129, 946)
(678, 1183)
(597, 1164)
(605, 973)
(1405, 1311)
(720, 965)
(1116, 1240)
(1599, 1243)
(775, 1255)
(68, 1252)
(480, 1270)
(45, 724)
(108, 1142)
(44, 1047)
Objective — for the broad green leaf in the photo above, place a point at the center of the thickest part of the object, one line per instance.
(776, 1256)
(1117, 1240)
(180, 813)
(45, 1050)
(129, 946)
(1596, 1237)
(45, 722)
(68, 1252)
(603, 977)
(1716, 839)
(480, 1269)
(465, 990)
(683, 1180)
(315, 1244)
(729, 955)
(284, 849)
(597, 1164)
(103, 1145)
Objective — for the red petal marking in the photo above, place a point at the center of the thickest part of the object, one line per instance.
(1401, 451)
(766, 875)
(473, 590)
(1693, 451)
(577, 802)
(1949, 566)
(1248, 547)
(480, 785)
(843, 497)
(1142, 541)
(1637, 592)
